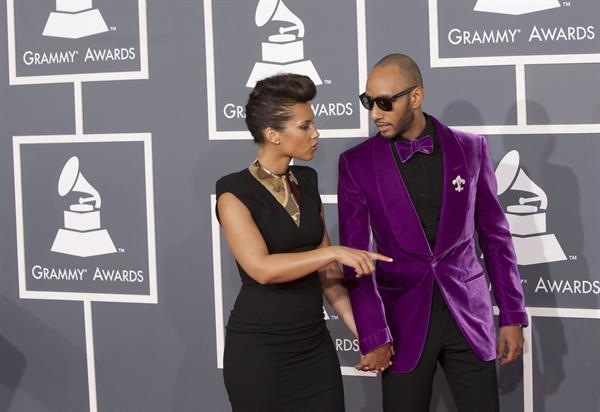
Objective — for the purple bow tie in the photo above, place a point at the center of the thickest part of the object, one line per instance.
(407, 149)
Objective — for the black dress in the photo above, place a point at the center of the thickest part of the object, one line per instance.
(278, 353)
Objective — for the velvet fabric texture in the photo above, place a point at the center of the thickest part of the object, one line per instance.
(376, 213)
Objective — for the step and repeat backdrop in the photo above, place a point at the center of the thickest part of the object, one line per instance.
(118, 117)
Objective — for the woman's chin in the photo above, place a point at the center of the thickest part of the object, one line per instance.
(306, 157)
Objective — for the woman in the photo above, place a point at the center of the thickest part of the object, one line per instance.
(278, 353)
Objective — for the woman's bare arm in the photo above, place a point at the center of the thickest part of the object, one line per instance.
(249, 249)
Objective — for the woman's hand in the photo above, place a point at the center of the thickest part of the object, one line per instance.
(361, 260)
(378, 360)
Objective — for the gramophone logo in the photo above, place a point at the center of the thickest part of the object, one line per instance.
(283, 51)
(74, 19)
(82, 234)
(527, 219)
(515, 7)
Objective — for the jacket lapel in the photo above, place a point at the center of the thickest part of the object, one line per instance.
(454, 202)
(400, 212)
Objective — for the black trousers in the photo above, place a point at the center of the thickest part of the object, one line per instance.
(473, 382)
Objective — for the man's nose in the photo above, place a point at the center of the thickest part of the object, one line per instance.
(376, 113)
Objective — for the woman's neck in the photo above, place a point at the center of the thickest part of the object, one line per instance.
(274, 163)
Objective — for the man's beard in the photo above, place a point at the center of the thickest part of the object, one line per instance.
(405, 122)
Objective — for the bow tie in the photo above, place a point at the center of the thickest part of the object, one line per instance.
(406, 149)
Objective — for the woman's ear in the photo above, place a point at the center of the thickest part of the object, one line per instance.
(272, 135)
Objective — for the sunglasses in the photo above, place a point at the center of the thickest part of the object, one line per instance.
(385, 103)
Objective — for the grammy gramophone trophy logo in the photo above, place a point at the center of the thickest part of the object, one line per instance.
(284, 51)
(527, 219)
(515, 7)
(83, 234)
(74, 19)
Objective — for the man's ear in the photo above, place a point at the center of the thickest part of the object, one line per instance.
(417, 96)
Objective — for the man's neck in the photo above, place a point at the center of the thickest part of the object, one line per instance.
(416, 129)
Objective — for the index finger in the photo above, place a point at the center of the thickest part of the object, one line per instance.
(378, 256)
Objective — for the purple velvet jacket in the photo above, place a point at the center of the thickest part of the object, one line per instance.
(375, 212)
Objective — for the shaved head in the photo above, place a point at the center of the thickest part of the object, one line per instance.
(406, 66)
(397, 77)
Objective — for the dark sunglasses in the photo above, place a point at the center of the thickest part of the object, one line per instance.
(385, 103)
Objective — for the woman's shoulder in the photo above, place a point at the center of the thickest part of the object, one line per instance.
(307, 176)
(235, 183)
(306, 172)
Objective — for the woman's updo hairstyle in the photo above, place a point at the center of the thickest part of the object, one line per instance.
(270, 101)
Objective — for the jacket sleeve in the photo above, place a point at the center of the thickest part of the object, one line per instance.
(367, 307)
(497, 246)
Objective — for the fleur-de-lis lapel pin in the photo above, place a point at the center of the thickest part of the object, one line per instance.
(458, 183)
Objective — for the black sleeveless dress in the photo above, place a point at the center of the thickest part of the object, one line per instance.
(278, 353)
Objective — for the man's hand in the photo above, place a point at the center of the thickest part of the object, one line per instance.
(378, 360)
(510, 344)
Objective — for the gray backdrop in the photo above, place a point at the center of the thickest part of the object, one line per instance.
(119, 345)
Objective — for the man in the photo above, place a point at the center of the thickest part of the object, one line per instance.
(418, 191)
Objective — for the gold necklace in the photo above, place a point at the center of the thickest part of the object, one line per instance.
(279, 186)
(280, 183)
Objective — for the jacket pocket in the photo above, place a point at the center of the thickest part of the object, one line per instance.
(472, 278)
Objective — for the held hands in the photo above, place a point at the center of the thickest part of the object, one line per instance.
(361, 260)
(378, 360)
(510, 344)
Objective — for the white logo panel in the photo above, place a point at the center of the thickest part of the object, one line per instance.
(76, 40)
(66, 251)
(248, 41)
(509, 32)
